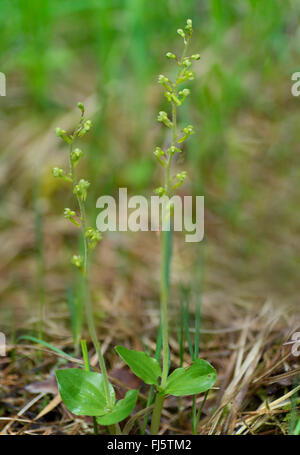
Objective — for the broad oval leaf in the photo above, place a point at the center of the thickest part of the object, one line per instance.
(143, 366)
(83, 391)
(197, 378)
(121, 410)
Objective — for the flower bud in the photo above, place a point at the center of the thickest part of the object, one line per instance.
(162, 79)
(171, 56)
(195, 57)
(187, 63)
(81, 107)
(181, 33)
(68, 213)
(86, 127)
(77, 260)
(189, 27)
(188, 129)
(158, 152)
(168, 95)
(59, 132)
(180, 179)
(190, 75)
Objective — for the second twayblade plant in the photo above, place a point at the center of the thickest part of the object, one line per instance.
(200, 376)
(85, 392)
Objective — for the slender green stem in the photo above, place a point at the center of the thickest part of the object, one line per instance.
(196, 416)
(88, 306)
(164, 311)
(164, 292)
(93, 334)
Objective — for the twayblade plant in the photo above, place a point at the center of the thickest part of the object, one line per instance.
(200, 375)
(85, 392)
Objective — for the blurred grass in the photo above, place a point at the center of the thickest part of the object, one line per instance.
(245, 157)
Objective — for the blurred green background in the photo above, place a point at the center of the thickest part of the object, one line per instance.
(245, 157)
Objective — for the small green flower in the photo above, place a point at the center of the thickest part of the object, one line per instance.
(77, 260)
(189, 26)
(86, 127)
(180, 179)
(159, 154)
(173, 149)
(81, 107)
(188, 130)
(187, 63)
(172, 98)
(63, 135)
(181, 175)
(185, 92)
(163, 80)
(81, 189)
(76, 155)
(171, 56)
(181, 33)
(190, 75)
(60, 173)
(57, 172)
(195, 57)
(69, 215)
(187, 75)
